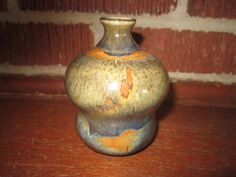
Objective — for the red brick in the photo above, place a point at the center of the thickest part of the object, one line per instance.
(3, 5)
(212, 8)
(43, 44)
(189, 51)
(109, 6)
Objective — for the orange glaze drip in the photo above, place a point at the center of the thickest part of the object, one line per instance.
(122, 143)
(100, 54)
(126, 85)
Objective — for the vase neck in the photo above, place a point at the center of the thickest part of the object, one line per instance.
(117, 39)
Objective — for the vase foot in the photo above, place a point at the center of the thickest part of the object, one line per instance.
(127, 142)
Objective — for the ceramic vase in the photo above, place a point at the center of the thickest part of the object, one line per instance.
(117, 88)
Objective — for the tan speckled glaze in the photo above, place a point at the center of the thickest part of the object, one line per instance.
(117, 89)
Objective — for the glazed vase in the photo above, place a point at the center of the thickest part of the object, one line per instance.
(117, 88)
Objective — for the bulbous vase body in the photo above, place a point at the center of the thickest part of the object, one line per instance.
(117, 88)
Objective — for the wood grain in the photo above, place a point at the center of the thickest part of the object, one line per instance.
(38, 138)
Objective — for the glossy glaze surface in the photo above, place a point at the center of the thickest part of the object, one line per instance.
(117, 89)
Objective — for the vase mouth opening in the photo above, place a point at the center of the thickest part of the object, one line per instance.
(118, 20)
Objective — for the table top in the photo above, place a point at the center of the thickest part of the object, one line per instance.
(38, 138)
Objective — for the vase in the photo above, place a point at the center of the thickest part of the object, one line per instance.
(117, 88)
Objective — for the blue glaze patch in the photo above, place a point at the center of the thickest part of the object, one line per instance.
(116, 127)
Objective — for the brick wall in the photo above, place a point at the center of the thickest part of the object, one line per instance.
(194, 39)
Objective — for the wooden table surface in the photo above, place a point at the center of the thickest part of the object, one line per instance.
(38, 138)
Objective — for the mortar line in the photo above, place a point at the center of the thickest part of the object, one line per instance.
(181, 8)
(170, 20)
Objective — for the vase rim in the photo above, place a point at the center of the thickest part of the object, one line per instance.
(117, 19)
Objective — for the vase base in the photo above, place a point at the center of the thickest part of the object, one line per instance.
(127, 142)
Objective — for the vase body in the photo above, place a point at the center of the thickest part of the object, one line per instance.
(117, 88)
